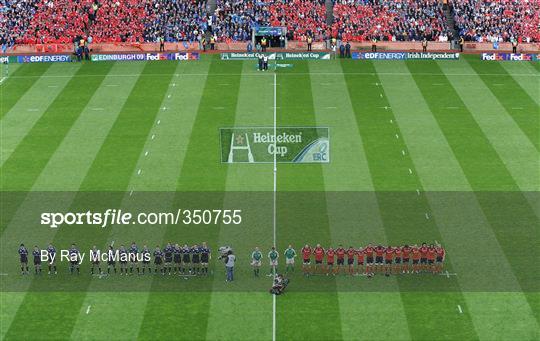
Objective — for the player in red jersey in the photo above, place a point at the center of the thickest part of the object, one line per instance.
(441, 253)
(431, 258)
(340, 252)
(415, 258)
(379, 255)
(388, 260)
(423, 257)
(350, 259)
(360, 254)
(368, 252)
(319, 255)
(330, 258)
(397, 260)
(306, 256)
(406, 255)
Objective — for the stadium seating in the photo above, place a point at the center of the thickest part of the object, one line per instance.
(179, 20)
(389, 20)
(501, 19)
(236, 18)
(15, 17)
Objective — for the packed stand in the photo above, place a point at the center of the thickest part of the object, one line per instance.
(58, 21)
(15, 17)
(389, 20)
(235, 19)
(177, 20)
(500, 20)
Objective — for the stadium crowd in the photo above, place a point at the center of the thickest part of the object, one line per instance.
(60, 21)
(389, 20)
(499, 20)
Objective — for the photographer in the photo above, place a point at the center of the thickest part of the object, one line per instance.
(230, 259)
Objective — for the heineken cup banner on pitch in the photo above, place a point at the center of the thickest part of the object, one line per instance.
(290, 144)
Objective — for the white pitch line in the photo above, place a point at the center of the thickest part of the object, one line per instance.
(173, 84)
(417, 191)
(452, 108)
(139, 172)
(112, 243)
(517, 108)
(158, 121)
(459, 308)
(52, 86)
(330, 107)
(3, 274)
(130, 193)
(437, 84)
(427, 216)
(146, 153)
(2, 80)
(111, 85)
(153, 136)
(88, 310)
(397, 136)
(402, 152)
(32, 109)
(380, 95)
(219, 108)
(169, 96)
(410, 171)
(391, 121)
(98, 109)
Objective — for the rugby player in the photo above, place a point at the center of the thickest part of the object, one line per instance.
(94, 259)
(351, 252)
(423, 257)
(158, 260)
(145, 259)
(406, 252)
(319, 255)
(196, 259)
(51, 252)
(431, 258)
(186, 259)
(441, 253)
(133, 261)
(273, 256)
(360, 255)
(123, 255)
(37, 260)
(177, 258)
(388, 260)
(256, 257)
(205, 258)
(397, 260)
(340, 252)
(368, 252)
(111, 259)
(74, 259)
(168, 255)
(330, 258)
(415, 258)
(23, 258)
(290, 255)
(379, 264)
(306, 259)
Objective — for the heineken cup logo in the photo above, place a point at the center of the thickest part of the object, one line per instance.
(287, 144)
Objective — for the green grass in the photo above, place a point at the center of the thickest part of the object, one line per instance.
(443, 151)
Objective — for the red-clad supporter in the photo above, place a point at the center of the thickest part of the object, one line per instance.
(497, 20)
(389, 20)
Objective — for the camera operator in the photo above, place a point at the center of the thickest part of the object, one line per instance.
(229, 258)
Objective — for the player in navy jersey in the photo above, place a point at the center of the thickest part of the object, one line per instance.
(168, 255)
(205, 258)
(111, 259)
(186, 259)
(37, 260)
(74, 259)
(123, 259)
(133, 261)
(51, 252)
(158, 260)
(23, 257)
(196, 259)
(145, 253)
(95, 260)
(177, 257)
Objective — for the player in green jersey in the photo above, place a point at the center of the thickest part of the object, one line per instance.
(256, 257)
(290, 255)
(273, 256)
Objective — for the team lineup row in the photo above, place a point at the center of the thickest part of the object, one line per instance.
(187, 260)
(366, 260)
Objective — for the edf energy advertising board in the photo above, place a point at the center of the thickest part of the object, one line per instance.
(290, 144)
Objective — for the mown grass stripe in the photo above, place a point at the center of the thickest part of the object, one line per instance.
(11, 89)
(295, 100)
(515, 150)
(530, 84)
(140, 118)
(475, 154)
(400, 211)
(354, 217)
(510, 95)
